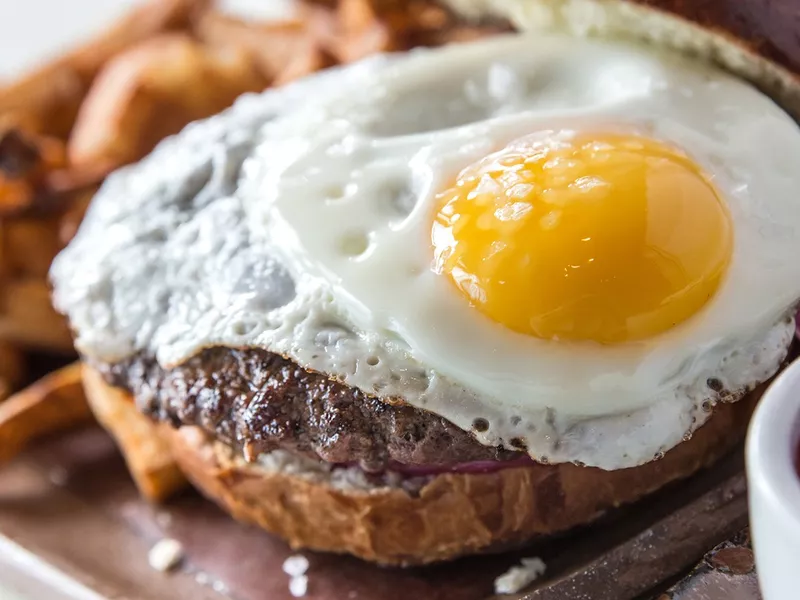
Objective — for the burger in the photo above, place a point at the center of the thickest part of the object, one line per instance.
(450, 301)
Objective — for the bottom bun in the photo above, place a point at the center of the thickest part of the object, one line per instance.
(414, 522)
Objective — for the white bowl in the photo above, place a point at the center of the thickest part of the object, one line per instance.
(774, 487)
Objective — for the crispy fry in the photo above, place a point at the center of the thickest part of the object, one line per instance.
(72, 217)
(147, 453)
(5, 266)
(153, 91)
(27, 318)
(25, 160)
(351, 32)
(15, 195)
(143, 23)
(462, 34)
(413, 20)
(322, 23)
(29, 245)
(374, 39)
(423, 15)
(12, 369)
(52, 404)
(77, 179)
(272, 46)
(48, 100)
(356, 15)
(308, 60)
(19, 155)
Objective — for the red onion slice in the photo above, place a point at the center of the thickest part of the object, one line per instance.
(480, 466)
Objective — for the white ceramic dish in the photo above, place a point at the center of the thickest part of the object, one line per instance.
(774, 487)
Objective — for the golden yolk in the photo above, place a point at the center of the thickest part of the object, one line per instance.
(602, 237)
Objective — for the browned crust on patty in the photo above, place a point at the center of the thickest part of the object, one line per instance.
(258, 401)
(451, 515)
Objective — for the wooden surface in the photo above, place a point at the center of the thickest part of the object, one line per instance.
(726, 573)
(71, 504)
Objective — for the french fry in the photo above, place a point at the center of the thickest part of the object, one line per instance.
(324, 3)
(362, 33)
(12, 369)
(322, 23)
(76, 179)
(15, 195)
(45, 102)
(153, 91)
(421, 15)
(24, 161)
(146, 451)
(272, 46)
(48, 100)
(353, 30)
(19, 156)
(463, 34)
(143, 23)
(27, 317)
(72, 217)
(52, 404)
(5, 259)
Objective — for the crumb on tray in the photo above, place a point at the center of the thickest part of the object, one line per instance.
(517, 577)
(298, 586)
(165, 555)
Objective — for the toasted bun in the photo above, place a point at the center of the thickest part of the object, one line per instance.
(755, 39)
(446, 517)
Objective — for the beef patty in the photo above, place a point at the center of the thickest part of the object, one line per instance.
(259, 401)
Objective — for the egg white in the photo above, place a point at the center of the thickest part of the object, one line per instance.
(319, 249)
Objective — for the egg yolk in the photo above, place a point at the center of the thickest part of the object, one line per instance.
(603, 237)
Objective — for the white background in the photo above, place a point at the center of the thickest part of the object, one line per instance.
(33, 30)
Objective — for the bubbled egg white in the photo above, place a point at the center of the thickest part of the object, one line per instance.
(299, 221)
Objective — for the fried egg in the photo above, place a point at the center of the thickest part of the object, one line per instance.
(565, 245)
